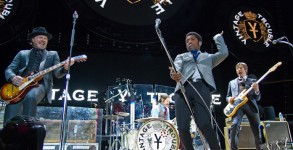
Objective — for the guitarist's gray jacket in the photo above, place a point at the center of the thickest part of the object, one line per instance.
(20, 62)
(186, 64)
(252, 96)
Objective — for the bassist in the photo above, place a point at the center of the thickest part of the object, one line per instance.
(250, 109)
(24, 64)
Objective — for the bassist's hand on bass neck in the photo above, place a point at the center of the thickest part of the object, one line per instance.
(255, 88)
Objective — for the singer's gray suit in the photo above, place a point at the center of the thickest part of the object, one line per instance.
(17, 67)
(250, 109)
(186, 64)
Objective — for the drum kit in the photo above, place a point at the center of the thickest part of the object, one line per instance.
(154, 133)
(144, 133)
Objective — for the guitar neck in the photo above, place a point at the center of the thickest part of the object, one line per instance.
(41, 73)
(258, 81)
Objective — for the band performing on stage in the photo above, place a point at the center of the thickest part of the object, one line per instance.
(179, 100)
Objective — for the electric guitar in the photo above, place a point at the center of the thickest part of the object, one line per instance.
(13, 94)
(241, 99)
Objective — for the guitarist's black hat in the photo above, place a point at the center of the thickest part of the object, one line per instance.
(39, 31)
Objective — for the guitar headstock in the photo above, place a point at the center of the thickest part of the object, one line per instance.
(275, 66)
(80, 58)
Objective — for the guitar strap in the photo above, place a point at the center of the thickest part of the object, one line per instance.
(21, 71)
(41, 67)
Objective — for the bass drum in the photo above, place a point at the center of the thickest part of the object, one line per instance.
(157, 134)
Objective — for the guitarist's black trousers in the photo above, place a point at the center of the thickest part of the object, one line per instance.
(201, 114)
(28, 105)
(254, 122)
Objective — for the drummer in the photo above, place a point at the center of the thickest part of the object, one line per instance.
(162, 109)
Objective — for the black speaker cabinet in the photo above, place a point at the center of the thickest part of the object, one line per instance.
(276, 133)
(245, 138)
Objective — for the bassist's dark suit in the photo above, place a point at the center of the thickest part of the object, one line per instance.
(250, 109)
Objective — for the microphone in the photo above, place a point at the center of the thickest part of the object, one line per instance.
(278, 40)
(75, 15)
(128, 91)
(158, 21)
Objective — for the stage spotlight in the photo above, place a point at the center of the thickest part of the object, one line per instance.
(23, 133)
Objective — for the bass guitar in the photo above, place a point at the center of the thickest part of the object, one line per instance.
(13, 94)
(241, 99)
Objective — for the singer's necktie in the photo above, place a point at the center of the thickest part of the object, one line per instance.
(195, 54)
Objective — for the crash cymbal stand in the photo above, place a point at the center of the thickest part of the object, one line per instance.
(116, 142)
(109, 112)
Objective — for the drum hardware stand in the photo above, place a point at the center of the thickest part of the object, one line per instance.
(142, 107)
(182, 89)
(64, 113)
(124, 132)
(110, 100)
(114, 144)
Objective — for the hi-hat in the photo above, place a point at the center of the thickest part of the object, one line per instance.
(123, 114)
(112, 117)
(147, 119)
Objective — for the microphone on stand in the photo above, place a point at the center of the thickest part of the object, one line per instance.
(158, 22)
(128, 91)
(75, 15)
(278, 40)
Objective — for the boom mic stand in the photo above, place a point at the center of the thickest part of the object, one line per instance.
(64, 113)
(182, 89)
(288, 43)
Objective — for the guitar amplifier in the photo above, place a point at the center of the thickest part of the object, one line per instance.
(82, 131)
(245, 138)
(78, 131)
(276, 133)
(53, 128)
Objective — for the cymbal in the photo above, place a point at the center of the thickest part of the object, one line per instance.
(147, 119)
(112, 117)
(123, 114)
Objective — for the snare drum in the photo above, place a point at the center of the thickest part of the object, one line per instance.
(157, 134)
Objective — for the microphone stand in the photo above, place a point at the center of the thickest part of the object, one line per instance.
(288, 43)
(64, 113)
(182, 89)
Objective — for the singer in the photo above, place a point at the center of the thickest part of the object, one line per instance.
(235, 87)
(25, 63)
(196, 66)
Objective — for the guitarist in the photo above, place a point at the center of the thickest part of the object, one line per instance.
(235, 87)
(24, 64)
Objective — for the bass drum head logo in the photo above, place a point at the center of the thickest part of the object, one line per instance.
(159, 135)
(252, 28)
